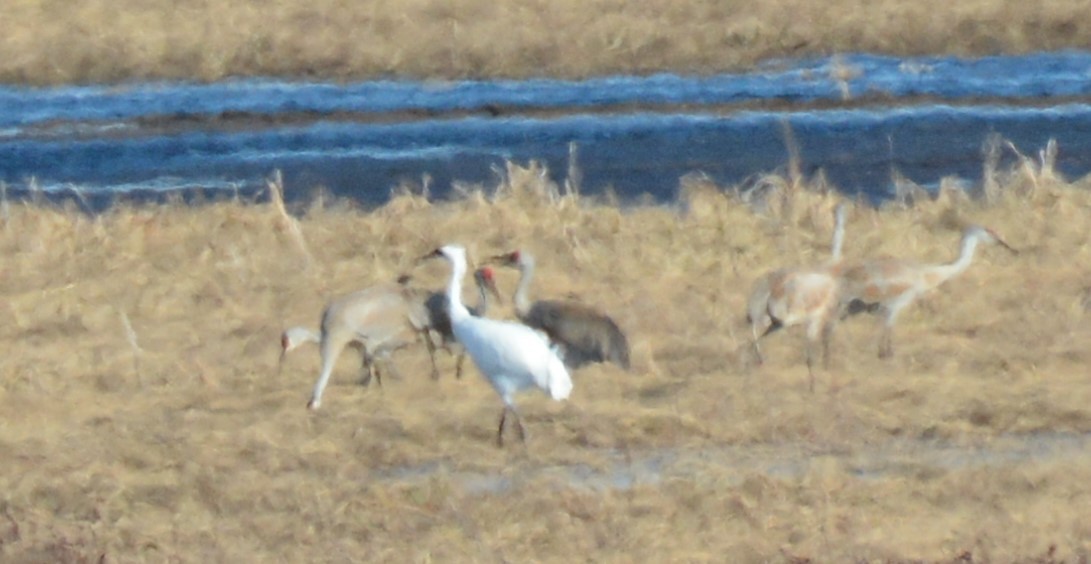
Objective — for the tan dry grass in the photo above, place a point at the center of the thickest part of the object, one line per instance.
(177, 441)
(58, 42)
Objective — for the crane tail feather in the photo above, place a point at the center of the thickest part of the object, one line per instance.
(560, 383)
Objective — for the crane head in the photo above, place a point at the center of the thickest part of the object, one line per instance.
(453, 253)
(988, 235)
(514, 258)
(292, 338)
(438, 253)
(485, 278)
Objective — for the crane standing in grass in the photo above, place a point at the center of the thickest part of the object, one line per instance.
(800, 295)
(439, 320)
(891, 284)
(584, 334)
(512, 356)
(380, 319)
(434, 325)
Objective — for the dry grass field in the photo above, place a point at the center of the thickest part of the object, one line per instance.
(144, 418)
(47, 42)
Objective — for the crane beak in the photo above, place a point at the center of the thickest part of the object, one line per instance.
(1005, 244)
(434, 254)
(490, 284)
(503, 260)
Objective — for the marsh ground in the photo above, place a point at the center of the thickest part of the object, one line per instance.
(144, 418)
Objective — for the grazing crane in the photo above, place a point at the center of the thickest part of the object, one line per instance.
(435, 325)
(891, 284)
(584, 334)
(380, 319)
(292, 338)
(439, 321)
(512, 356)
(797, 295)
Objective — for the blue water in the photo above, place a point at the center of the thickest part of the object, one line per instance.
(926, 118)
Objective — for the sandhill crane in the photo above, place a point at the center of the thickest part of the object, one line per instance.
(293, 337)
(380, 319)
(796, 295)
(512, 356)
(893, 284)
(584, 334)
(435, 325)
(439, 320)
(806, 296)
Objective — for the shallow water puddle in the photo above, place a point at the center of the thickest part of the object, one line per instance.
(734, 464)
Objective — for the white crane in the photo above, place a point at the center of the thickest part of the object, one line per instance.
(380, 319)
(798, 295)
(512, 356)
(584, 334)
(891, 284)
(439, 321)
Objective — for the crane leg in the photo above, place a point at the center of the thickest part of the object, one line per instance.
(458, 364)
(500, 430)
(810, 366)
(827, 336)
(886, 343)
(754, 344)
(519, 427)
(431, 353)
(368, 370)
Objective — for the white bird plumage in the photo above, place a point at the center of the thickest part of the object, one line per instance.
(512, 356)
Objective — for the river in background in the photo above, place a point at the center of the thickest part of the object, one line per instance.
(857, 118)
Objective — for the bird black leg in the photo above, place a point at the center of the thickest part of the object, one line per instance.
(500, 430)
(458, 365)
(519, 427)
(367, 369)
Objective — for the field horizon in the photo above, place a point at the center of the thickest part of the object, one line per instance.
(46, 43)
(145, 419)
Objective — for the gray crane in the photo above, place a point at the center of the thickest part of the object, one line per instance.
(372, 332)
(380, 320)
(583, 333)
(439, 319)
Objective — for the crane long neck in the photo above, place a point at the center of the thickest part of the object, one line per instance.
(965, 257)
(454, 288)
(482, 298)
(526, 270)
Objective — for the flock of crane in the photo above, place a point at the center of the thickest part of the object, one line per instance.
(553, 337)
